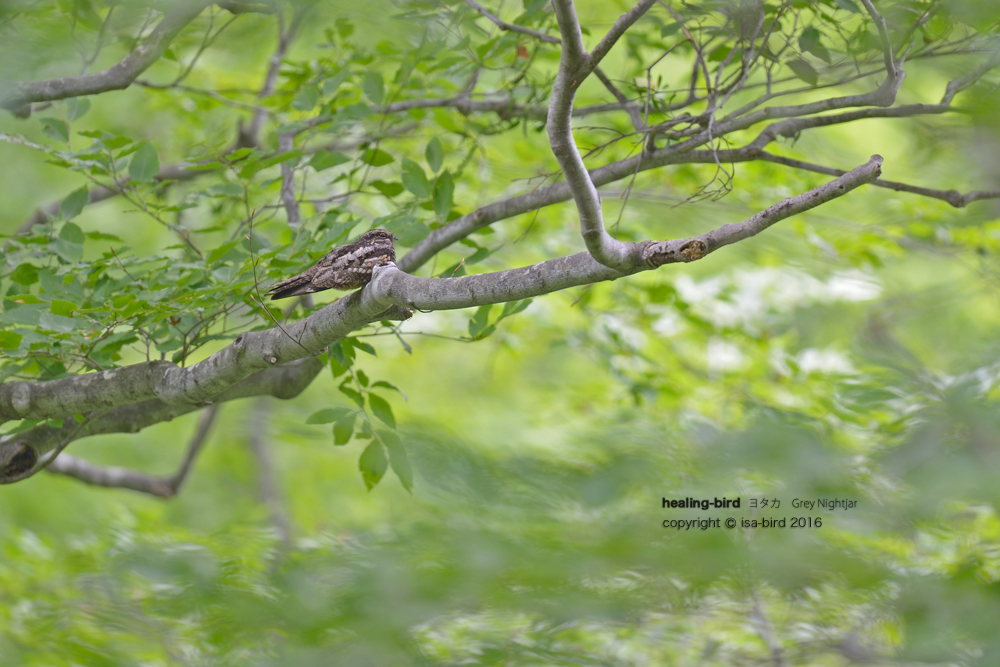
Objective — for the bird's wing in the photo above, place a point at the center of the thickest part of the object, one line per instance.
(303, 283)
(330, 258)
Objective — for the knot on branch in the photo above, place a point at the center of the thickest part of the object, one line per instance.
(17, 460)
(658, 253)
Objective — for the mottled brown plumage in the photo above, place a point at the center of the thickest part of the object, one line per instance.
(347, 267)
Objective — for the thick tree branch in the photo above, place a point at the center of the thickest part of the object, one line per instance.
(573, 68)
(117, 77)
(20, 453)
(126, 478)
(127, 393)
(199, 383)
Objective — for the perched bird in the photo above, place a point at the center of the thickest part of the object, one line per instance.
(344, 268)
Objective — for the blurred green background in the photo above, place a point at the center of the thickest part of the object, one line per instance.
(850, 352)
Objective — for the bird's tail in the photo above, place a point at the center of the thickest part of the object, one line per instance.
(295, 286)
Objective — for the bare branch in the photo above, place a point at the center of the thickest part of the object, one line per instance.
(288, 199)
(633, 109)
(512, 27)
(582, 268)
(194, 448)
(117, 77)
(624, 22)
(953, 197)
(505, 107)
(680, 153)
(126, 478)
(174, 172)
(958, 85)
(251, 136)
(883, 33)
(267, 483)
(572, 69)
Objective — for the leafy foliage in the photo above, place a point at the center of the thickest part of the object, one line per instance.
(849, 353)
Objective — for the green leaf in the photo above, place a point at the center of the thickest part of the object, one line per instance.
(848, 5)
(76, 107)
(279, 158)
(414, 179)
(25, 274)
(361, 345)
(101, 236)
(809, 41)
(9, 340)
(29, 314)
(444, 189)
(434, 153)
(670, 29)
(327, 416)
(70, 232)
(374, 87)
(398, 458)
(339, 363)
(388, 189)
(377, 157)
(413, 234)
(344, 27)
(362, 378)
(389, 385)
(343, 429)
(65, 308)
(373, 464)
(356, 111)
(513, 308)
(719, 54)
(358, 399)
(217, 254)
(306, 99)
(408, 230)
(55, 128)
(60, 324)
(382, 410)
(114, 143)
(74, 203)
(326, 159)
(804, 71)
(331, 85)
(145, 163)
(480, 323)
